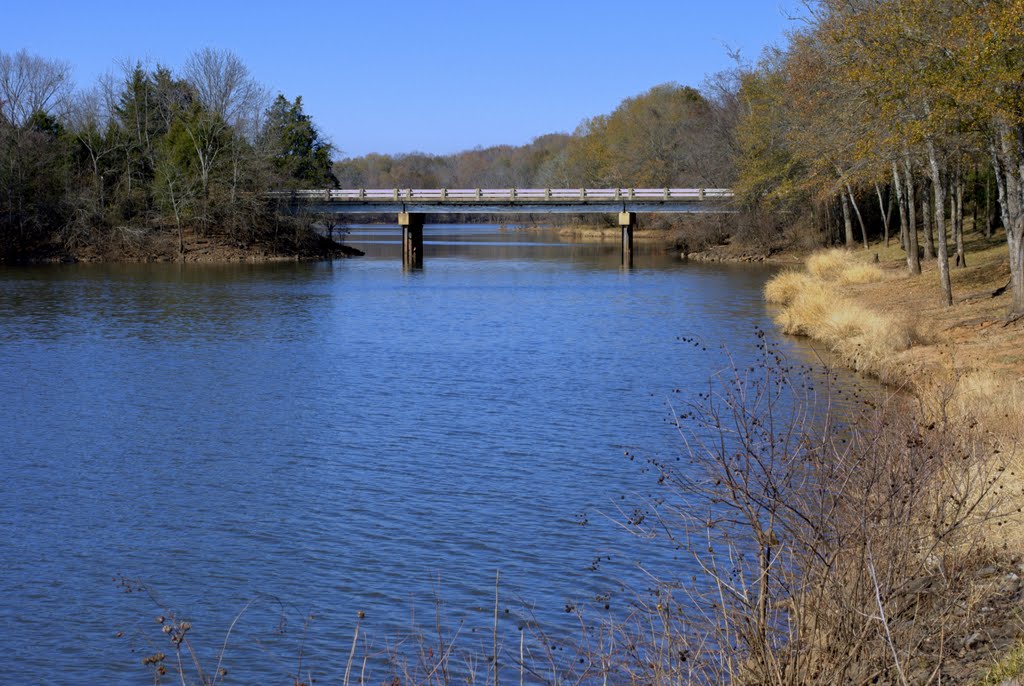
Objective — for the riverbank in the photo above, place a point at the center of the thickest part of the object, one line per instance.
(133, 246)
(883, 322)
(962, 368)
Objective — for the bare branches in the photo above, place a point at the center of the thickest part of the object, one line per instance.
(31, 84)
(224, 86)
(827, 551)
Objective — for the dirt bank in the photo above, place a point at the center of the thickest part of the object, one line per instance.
(164, 246)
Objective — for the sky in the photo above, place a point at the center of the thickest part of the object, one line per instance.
(395, 76)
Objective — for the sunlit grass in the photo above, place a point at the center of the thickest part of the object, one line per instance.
(1009, 671)
(860, 273)
(785, 286)
(827, 265)
(863, 338)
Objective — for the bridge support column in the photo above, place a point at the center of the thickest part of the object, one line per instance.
(627, 221)
(412, 239)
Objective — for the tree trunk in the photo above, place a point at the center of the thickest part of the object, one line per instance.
(940, 223)
(913, 259)
(990, 214)
(958, 217)
(886, 212)
(898, 187)
(974, 196)
(1015, 241)
(860, 219)
(926, 222)
(1008, 157)
(847, 220)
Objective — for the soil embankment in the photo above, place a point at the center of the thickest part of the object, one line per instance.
(167, 246)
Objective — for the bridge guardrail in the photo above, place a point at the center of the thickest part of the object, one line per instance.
(533, 195)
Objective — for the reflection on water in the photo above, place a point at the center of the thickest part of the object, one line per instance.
(337, 437)
(483, 242)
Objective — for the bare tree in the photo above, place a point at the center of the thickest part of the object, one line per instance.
(230, 98)
(30, 84)
(89, 117)
(224, 86)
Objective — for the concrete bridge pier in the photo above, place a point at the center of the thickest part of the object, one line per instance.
(627, 221)
(412, 239)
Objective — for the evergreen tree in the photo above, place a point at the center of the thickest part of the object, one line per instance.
(299, 155)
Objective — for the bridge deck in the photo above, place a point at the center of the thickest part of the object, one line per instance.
(509, 200)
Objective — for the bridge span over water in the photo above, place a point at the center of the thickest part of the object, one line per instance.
(413, 204)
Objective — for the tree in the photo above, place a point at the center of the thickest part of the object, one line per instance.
(770, 177)
(33, 183)
(299, 155)
(230, 99)
(97, 141)
(990, 60)
(31, 84)
(223, 85)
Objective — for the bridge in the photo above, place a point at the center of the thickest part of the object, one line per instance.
(413, 204)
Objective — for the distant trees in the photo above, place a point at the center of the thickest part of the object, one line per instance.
(669, 136)
(147, 151)
(664, 137)
(908, 111)
(502, 166)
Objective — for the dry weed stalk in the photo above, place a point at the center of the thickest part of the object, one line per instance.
(187, 667)
(826, 550)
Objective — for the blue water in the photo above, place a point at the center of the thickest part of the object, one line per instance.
(336, 437)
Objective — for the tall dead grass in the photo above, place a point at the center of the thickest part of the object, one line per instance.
(863, 339)
(786, 285)
(816, 304)
(838, 266)
(826, 265)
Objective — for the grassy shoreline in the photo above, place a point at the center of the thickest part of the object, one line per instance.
(962, 366)
(885, 323)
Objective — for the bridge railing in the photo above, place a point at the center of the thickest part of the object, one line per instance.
(469, 195)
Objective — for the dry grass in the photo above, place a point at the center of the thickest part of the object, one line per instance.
(992, 399)
(888, 324)
(863, 338)
(843, 267)
(860, 273)
(785, 286)
(828, 264)
(964, 364)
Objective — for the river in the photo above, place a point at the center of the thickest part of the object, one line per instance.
(330, 438)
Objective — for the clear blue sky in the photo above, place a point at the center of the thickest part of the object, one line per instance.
(401, 76)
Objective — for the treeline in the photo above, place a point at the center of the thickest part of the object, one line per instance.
(669, 136)
(149, 154)
(892, 112)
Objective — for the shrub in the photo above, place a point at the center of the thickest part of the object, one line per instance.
(830, 551)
